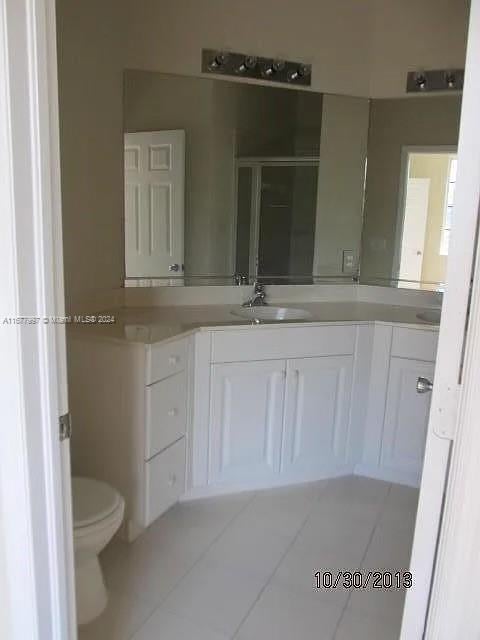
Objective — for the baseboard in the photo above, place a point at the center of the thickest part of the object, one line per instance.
(210, 491)
(388, 475)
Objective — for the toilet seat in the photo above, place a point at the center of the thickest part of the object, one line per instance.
(98, 511)
(93, 503)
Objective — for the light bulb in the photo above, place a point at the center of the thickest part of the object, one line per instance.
(451, 80)
(421, 81)
(300, 72)
(218, 61)
(249, 63)
(270, 69)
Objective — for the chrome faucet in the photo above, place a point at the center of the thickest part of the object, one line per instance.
(258, 297)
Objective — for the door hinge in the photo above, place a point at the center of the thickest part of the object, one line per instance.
(446, 413)
(65, 427)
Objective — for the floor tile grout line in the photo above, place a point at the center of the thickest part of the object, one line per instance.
(377, 520)
(269, 579)
(200, 557)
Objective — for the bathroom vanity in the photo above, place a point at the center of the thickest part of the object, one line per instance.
(187, 399)
(233, 406)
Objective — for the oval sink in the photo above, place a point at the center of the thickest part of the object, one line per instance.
(271, 313)
(432, 316)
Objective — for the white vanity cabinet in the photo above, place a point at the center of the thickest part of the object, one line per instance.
(129, 405)
(235, 408)
(165, 427)
(278, 419)
(278, 408)
(281, 405)
(397, 415)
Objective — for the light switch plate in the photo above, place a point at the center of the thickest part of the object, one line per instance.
(348, 261)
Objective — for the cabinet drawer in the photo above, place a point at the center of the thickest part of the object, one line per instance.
(257, 343)
(166, 413)
(417, 344)
(164, 360)
(164, 481)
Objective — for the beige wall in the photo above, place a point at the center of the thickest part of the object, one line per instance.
(90, 41)
(435, 167)
(343, 149)
(357, 48)
(394, 124)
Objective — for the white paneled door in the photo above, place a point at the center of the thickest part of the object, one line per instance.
(154, 203)
(246, 420)
(414, 227)
(317, 412)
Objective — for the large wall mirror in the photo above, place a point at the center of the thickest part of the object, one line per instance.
(230, 182)
(410, 190)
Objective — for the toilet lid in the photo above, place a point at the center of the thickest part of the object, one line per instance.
(92, 501)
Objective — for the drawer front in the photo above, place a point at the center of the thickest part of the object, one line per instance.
(164, 360)
(257, 343)
(165, 480)
(417, 344)
(166, 413)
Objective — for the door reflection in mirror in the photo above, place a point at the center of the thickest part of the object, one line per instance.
(426, 215)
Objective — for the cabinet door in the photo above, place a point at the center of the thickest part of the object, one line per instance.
(246, 420)
(406, 418)
(316, 413)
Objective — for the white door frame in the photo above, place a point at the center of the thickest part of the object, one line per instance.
(36, 563)
(454, 609)
(451, 475)
(35, 524)
(402, 195)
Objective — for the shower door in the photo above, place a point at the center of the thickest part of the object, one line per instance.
(276, 214)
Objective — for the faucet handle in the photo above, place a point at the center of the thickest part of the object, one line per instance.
(258, 287)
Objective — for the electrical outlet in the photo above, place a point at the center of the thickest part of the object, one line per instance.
(348, 261)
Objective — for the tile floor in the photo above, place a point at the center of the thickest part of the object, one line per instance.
(242, 567)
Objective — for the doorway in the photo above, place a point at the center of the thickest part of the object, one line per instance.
(427, 187)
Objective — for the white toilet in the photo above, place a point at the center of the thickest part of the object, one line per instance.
(97, 515)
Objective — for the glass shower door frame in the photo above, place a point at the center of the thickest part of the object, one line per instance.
(256, 164)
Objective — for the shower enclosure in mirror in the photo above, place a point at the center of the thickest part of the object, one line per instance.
(275, 225)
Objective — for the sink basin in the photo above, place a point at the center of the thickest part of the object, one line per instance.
(432, 316)
(271, 313)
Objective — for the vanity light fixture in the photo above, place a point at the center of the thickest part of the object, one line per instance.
(435, 80)
(250, 66)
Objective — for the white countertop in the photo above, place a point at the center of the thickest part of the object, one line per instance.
(147, 325)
